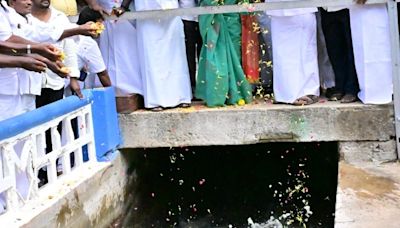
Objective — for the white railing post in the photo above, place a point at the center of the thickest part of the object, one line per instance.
(90, 133)
(395, 53)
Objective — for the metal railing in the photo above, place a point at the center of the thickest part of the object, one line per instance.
(290, 4)
(23, 149)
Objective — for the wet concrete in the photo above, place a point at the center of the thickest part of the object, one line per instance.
(368, 195)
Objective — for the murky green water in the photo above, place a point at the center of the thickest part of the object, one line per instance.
(224, 186)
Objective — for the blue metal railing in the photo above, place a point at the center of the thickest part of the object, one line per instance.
(105, 120)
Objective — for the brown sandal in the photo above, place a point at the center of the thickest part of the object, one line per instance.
(306, 100)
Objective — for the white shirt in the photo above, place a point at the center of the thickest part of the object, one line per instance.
(40, 32)
(290, 12)
(89, 55)
(188, 4)
(68, 46)
(90, 60)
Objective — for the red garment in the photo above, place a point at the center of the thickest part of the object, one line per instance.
(250, 48)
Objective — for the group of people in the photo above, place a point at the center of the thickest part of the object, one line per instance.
(342, 49)
(218, 58)
(45, 56)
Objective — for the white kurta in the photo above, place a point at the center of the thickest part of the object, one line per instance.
(295, 60)
(372, 56)
(161, 43)
(118, 45)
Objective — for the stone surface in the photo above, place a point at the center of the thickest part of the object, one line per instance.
(368, 151)
(94, 198)
(368, 195)
(200, 126)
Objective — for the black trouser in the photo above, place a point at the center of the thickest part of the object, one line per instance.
(49, 96)
(193, 43)
(336, 28)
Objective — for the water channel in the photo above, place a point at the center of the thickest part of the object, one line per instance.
(262, 185)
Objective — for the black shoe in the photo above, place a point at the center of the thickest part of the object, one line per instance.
(336, 97)
(349, 98)
(329, 92)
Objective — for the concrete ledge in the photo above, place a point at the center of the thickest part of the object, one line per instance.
(200, 126)
(93, 198)
(368, 151)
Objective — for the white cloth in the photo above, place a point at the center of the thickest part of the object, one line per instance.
(290, 12)
(90, 60)
(109, 5)
(294, 50)
(118, 45)
(334, 8)
(372, 55)
(5, 27)
(162, 52)
(13, 105)
(188, 4)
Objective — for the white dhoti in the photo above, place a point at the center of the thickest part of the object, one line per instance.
(118, 47)
(13, 105)
(162, 57)
(372, 56)
(295, 65)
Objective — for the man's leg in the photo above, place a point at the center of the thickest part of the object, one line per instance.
(351, 83)
(190, 41)
(333, 29)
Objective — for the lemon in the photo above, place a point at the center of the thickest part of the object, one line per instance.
(241, 102)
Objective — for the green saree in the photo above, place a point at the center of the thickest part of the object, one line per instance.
(220, 76)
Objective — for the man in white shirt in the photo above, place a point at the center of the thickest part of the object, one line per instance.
(17, 91)
(90, 60)
(53, 87)
(336, 26)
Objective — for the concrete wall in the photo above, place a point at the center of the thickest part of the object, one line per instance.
(95, 201)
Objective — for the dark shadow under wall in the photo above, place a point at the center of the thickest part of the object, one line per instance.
(225, 185)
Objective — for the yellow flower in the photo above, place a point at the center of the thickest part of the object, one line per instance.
(99, 27)
(65, 70)
(241, 102)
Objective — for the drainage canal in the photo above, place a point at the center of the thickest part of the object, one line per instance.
(262, 185)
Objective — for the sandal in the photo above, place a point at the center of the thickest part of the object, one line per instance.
(184, 105)
(306, 100)
(156, 109)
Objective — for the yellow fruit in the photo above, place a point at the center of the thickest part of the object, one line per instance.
(62, 55)
(65, 70)
(99, 27)
(241, 102)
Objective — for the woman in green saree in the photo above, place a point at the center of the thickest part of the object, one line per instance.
(220, 76)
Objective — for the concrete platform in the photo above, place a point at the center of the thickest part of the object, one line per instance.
(257, 123)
